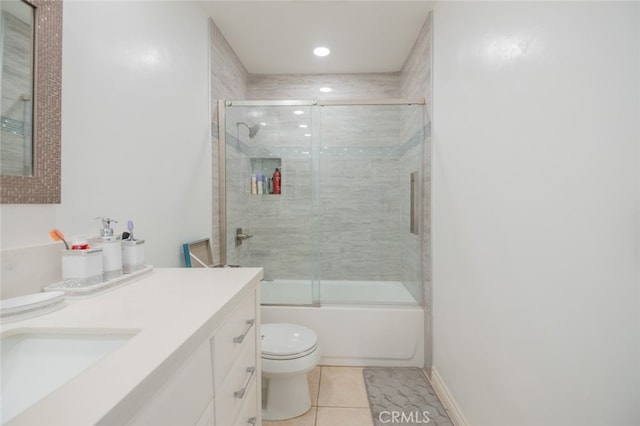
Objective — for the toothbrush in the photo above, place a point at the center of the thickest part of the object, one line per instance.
(130, 228)
(58, 236)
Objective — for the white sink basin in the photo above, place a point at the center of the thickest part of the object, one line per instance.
(33, 363)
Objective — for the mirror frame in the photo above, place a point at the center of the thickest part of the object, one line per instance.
(44, 186)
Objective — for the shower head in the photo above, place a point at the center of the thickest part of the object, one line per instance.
(253, 130)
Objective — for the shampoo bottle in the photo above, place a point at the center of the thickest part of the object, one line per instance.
(260, 185)
(276, 181)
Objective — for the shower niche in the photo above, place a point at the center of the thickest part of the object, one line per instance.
(262, 170)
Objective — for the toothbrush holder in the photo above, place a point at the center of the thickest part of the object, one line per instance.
(81, 268)
(132, 256)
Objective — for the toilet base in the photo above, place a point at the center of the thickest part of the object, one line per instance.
(285, 397)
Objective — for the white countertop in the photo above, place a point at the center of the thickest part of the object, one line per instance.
(174, 311)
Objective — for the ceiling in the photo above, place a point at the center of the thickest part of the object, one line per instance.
(277, 37)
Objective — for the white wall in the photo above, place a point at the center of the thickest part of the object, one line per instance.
(535, 211)
(135, 128)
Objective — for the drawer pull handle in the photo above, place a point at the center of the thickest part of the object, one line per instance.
(252, 421)
(240, 393)
(239, 339)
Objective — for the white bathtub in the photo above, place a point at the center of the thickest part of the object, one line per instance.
(352, 333)
(300, 292)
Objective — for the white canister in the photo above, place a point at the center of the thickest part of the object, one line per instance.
(81, 268)
(132, 256)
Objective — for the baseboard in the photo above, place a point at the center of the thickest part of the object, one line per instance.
(447, 399)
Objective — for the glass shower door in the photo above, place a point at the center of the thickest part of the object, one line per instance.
(270, 195)
(371, 169)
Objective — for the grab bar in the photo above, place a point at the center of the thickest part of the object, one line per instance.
(238, 339)
(240, 393)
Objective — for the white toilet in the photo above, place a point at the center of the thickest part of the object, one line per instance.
(289, 352)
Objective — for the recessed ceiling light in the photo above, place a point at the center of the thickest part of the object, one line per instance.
(262, 123)
(321, 51)
(304, 126)
(307, 134)
(298, 112)
(325, 89)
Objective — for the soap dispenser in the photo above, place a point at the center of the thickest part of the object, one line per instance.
(111, 250)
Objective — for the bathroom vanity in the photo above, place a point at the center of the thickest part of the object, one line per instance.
(186, 352)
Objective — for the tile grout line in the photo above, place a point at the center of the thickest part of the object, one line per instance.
(315, 403)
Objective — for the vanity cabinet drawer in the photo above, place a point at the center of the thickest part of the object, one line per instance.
(233, 337)
(238, 386)
(207, 416)
(183, 398)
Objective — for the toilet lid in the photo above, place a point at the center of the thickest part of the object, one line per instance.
(282, 339)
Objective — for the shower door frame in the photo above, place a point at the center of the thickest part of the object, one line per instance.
(222, 129)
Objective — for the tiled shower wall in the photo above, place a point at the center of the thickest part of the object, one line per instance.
(360, 192)
(346, 86)
(359, 221)
(282, 225)
(362, 214)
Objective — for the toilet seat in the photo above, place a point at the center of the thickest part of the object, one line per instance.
(281, 341)
(287, 357)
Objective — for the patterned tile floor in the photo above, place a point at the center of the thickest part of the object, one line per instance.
(338, 398)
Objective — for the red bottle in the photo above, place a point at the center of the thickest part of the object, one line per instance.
(276, 181)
